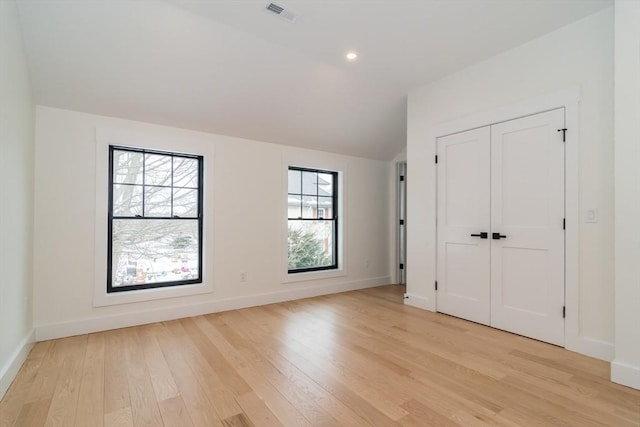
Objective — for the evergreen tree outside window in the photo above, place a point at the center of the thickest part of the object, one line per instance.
(155, 219)
(312, 220)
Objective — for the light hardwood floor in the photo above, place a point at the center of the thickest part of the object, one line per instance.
(354, 359)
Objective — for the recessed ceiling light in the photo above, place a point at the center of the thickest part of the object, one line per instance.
(352, 56)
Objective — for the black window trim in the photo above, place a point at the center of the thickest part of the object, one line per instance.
(111, 217)
(334, 218)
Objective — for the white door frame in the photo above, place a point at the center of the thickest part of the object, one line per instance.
(401, 222)
(570, 100)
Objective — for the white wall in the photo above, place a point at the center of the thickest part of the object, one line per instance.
(16, 189)
(249, 183)
(579, 54)
(625, 368)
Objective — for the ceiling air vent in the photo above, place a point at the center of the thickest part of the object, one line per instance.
(282, 12)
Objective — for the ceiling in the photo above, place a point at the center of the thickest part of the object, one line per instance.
(233, 68)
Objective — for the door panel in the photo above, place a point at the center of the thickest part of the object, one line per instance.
(524, 164)
(463, 209)
(527, 206)
(519, 296)
(462, 282)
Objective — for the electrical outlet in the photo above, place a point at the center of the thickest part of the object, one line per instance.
(243, 276)
(366, 263)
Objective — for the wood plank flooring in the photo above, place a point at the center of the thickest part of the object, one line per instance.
(353, 359)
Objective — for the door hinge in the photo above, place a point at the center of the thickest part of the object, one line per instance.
(401, 266)
(564, 223)
(564, 134)
(436, 159)
(564, 311)
(436, 285)
(401, 177)
(402, 222)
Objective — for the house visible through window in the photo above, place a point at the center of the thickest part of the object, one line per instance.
(312, 220)
(155, 219)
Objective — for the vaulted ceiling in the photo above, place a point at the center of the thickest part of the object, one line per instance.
(231, 67)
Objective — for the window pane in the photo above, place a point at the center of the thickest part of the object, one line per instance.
(185, 202)
(157, 170)
(157, 201)
(149, 251)
(326, 204)
(293, 206)
(295, 186)
(310, 244)
(185, 172)
(325, 184)
(309, 207)
(127, 200)
(310, 183)
(127, 167)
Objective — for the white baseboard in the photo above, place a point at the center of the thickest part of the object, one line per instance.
(97, 324)
(419, 302)
(10, 369)
(625, 374)
(591, 347)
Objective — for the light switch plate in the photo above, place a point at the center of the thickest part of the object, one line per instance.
(591, 215)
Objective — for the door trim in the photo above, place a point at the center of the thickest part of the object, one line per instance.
(570, 100)
(401, 223)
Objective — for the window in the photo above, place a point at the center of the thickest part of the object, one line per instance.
(155, 219)
(312, 220)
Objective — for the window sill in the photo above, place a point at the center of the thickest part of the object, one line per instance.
(313, 275)
(140, 295)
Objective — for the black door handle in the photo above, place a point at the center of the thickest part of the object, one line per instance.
(498, 236)
(482, 235)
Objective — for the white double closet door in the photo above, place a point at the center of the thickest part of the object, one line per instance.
(500, 226)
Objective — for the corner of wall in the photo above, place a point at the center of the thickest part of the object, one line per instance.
(9, 371)
(16, 221)
(625, 368)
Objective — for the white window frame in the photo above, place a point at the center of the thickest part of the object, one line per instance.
(155, 141)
